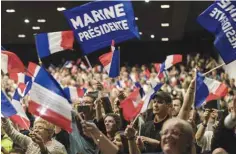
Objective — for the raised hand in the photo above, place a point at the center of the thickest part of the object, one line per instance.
(121, 96)
(130, 132)
(39, 140)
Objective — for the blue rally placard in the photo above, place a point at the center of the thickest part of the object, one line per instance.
(95, 24)
(220, 19)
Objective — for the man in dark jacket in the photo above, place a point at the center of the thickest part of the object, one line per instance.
(150, 131)
(225, 133)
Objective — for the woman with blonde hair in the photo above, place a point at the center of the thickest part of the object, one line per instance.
(40, 140)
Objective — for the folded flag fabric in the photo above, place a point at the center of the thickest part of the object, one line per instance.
(219, 19)
(50, 43)
(20, 117)
(170, 61)
(7, 108)
(68, 64)
(32, 70)
(132, 105)
(158, 67)
(11, 63)
(47, 100)
(23, 89)
(83, 66)
(19, 77)
(147, 73)
(149, 95)
(111, 61)
(208, 89)
(74, 93)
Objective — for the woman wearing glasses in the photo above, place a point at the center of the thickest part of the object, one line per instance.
(40, 140)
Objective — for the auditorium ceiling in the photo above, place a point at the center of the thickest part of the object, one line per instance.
(178, 22)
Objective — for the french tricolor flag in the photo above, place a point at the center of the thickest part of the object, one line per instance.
(47, 99)
(132, 105)
(50, 43)
(111, 61)
(7, 109)
(23, 89)
(11, 63)
(20, 117)
(170, 61)
(159, 67)
(149, 95)
(32, 70)
(208, 89)
(74, 93)
(19, 77)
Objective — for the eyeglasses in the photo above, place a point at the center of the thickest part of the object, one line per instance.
(171, 132)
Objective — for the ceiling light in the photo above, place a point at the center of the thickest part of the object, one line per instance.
(41, 20)
(136, 18)
(21, 35)
(140, 33)
(165, 6)
(26, 21)
(35, 27)
(61, 8)
(152, 36)
(146, 1)
(165, 39)
(165, 24)
(10, 10)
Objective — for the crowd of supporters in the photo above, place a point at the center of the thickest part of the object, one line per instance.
(171, 125)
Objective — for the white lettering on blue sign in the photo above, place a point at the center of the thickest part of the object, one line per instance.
(225, 25)
(98, 15)
(103, 29)
(228, 7)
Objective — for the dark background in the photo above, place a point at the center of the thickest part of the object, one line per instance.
(185, 34)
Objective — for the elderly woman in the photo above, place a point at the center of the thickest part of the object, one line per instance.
(176, 137)
(40, 140)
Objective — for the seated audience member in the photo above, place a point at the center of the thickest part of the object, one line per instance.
(40, 140)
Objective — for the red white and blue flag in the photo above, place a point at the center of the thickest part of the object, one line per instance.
(20, 117)
(170, 61)
(47, 99)
(111, 61)
(132, 105)
(19, 77)
(74, 93)
(50, 43)
(11, 63)
(7, 109)
(208, 89)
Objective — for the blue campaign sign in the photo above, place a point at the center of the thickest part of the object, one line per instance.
(220, 19)
(95, 24)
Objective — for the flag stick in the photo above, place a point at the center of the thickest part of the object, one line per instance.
(86, 58)
(213, 69)
(119, 59)
(40, 62)
(135, 119)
